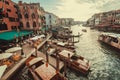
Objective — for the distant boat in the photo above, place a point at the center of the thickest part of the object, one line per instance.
(91, 27)
(84, 30)
(111, 39)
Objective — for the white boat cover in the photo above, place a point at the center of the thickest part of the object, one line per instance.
(5, 55)
(13, 49)
(65, 53)
(35, 60)
(2, 70)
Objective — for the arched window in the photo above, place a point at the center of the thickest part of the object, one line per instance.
(20, 16)
(27, 25)
(34, 24)
(7, 15)
(21, 25)
(26, 15)
(33, 15)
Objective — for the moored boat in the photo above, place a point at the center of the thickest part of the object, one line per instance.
(41, 70)
(84, 30)
(111, 39)
(77, 63)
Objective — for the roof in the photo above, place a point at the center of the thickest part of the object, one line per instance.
(46, 73)
(2, 70)
(112, 35)
(65, 53)
(35, 60)
(10, 35)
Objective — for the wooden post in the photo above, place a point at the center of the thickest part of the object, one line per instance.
(73, 40)
(65, 67)
(36, 51)
(68, 59)
(57, 63)
(47, 59)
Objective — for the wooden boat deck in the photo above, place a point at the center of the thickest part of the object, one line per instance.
(45, 72)
(52, 60)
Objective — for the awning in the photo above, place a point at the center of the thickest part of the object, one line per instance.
(10, 35)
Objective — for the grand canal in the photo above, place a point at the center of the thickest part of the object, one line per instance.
(105, 61)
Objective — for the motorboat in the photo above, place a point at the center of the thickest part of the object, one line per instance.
(111, 39)
(41, 70)
(77, 63)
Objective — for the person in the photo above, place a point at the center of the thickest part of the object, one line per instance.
(22, 53)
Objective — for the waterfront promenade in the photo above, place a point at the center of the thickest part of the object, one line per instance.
(28, 50)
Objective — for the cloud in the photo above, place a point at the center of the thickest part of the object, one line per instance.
(71, 8)
(78, 9)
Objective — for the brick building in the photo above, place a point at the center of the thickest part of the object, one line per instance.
(30, 16)
(8, 15)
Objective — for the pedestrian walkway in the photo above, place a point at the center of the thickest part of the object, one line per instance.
(28, 50)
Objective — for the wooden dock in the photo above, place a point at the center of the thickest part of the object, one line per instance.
(52, 60)
(28, 52)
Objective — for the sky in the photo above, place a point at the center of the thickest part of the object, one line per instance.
(80, 10)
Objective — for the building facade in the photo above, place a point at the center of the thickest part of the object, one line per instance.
(30, 16)
(8, 15)
(106, 20)
(51, 20)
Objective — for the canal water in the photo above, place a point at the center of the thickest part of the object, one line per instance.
(104, 60)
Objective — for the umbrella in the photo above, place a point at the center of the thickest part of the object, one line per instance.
(14, 49)
(2, 70)
(5, 55)
(34, 38)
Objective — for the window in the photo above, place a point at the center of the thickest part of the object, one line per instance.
(33, 15)
(3, 26)
(12, 27)
(11, 19)
(25, 7)
(34, 24)
(27, 25)
(8, 10)
(21, 25)
(20, 16)
(50, 16)
(7, 15)
(17, 19)
(6, 2)
(26, 15)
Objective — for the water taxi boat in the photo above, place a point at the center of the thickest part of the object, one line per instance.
(111, 39)
(41, 70)
(77, 63)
